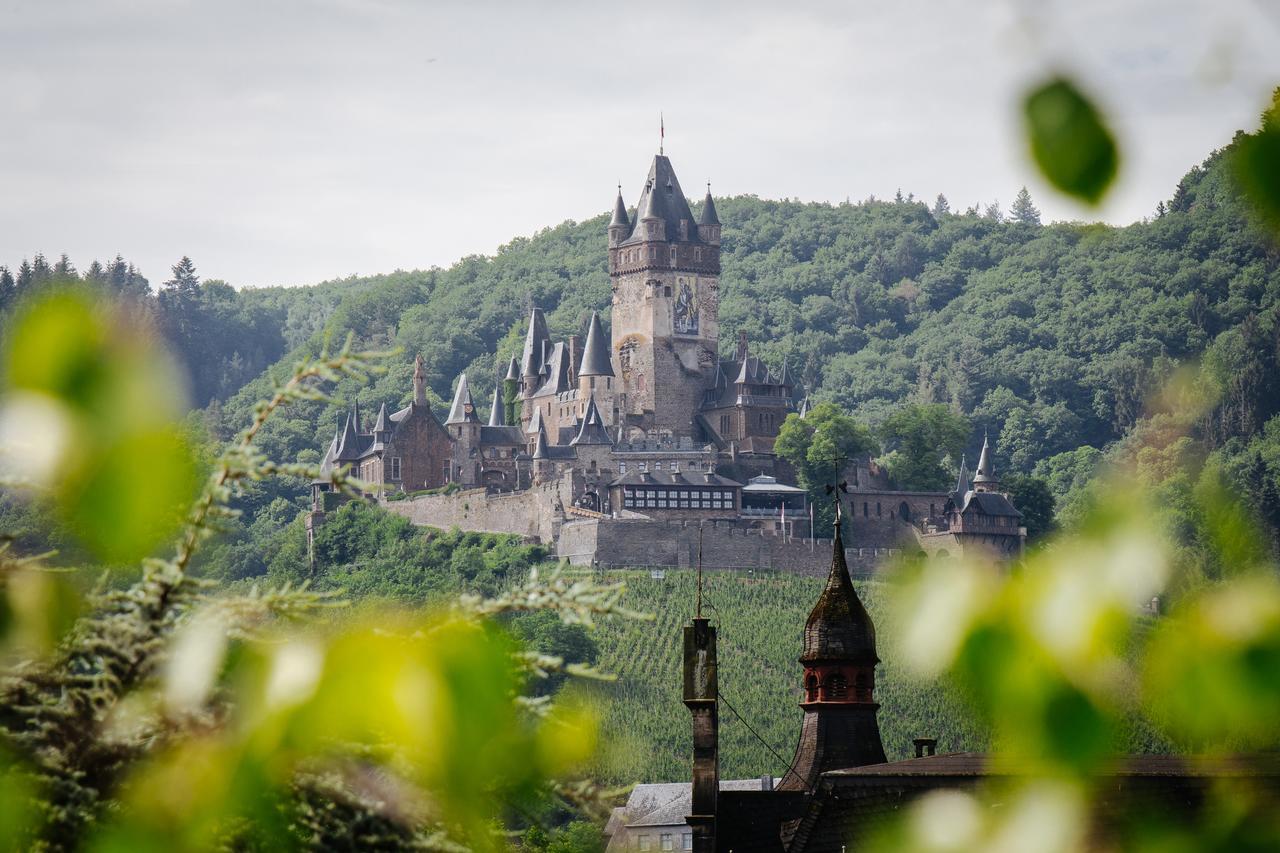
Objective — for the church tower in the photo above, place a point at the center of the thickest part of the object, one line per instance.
(839, 729)
(665, 268)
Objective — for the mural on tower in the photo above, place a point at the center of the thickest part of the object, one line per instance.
(685, 315)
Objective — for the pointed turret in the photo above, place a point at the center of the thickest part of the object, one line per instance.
(620, 224)
(540, 444)
(962, 482)
(592, 430)
(535, 422)
(595, 354)
(349, 443)
(463, 409)
(708, 216)
(839, 728)
(381, 425)
(513, 370)
(805, 407)
(985, 479)
(497, 417)
(535, 345)
(355, 413)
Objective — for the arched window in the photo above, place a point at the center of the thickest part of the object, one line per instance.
(811, 688)
(837, 686)
(904, 511)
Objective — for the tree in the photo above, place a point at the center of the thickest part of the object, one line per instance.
(1024, 210)
(64, 270)
(8, 288)
(1032, 497)
(941, 206)
(993, 212)
(818, 446)
(919, 440)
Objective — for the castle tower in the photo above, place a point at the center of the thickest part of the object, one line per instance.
(511, 392)
(984, 478)
(463, 425)
(665, 269)
(595, 374)
(533, 360)
(839, 729)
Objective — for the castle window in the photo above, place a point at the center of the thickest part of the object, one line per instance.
(726, 423)
(395, 467)
(667, 842)
(646, 843)
(666, 291)
(675, 467)
(622, 467)
(837, 686)
(697, 254)
(673, 256)
(657, 466)
(811, 688)
(644, 467)
(877, 509)
(688, 840)
(653, 252)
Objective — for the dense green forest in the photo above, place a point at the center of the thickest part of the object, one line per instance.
(1052, 338)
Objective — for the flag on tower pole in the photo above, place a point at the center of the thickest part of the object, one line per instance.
(662, 132)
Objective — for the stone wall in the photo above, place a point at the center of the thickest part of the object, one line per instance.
(535, 512)
(725, 545)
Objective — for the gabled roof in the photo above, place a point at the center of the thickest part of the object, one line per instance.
(989, 503)
(663, 199)
(593, 429)
(463, 409)
(680, 478)
(501, 436)
(839, 627)
(497, 414)
(595, 354)
(555, 372)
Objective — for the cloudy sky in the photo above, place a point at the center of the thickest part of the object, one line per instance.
(290, 142)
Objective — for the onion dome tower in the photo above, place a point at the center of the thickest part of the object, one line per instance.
(839, 729)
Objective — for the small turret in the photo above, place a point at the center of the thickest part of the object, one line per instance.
(709, 222)
(985, 479)
(381, 426)
(620, 225)
(497, 413)
(511, 392)
(463, 409)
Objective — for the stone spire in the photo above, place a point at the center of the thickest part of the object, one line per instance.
(985, 479)
(513, 370)
(592, 430)
(463, 409)
(419, 382)
(839, 729)
(620, 217)
(595, 354)
(535, 344)
(381, 424)
(497, 417)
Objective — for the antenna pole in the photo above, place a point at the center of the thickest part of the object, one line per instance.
(662, 132)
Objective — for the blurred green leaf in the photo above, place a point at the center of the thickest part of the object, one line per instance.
(1070, 141)
(131, 496)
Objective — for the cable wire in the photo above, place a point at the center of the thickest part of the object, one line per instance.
(720, 696)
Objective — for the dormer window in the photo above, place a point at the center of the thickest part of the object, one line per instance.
(673, 256)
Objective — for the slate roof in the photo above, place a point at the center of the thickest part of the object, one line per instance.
(986, 472)
(620, 211)
(839, 627)
(555, 371)
(509, 436)
(497, 410)
(592, 430)
(381, 424)
(595, 354)
(463, 409)
(513, 369)
(708, 216)
(769, 485)
(990, 503)
(680, 478)
(531, 360)
(663, 199)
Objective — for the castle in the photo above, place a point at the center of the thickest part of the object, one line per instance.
(640, 447)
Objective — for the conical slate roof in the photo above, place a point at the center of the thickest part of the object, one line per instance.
(839, 627)
(663, 199)
(804, 407)
(595, 354)
(381, 424)
(592, 430)
(986, 472)
(513, 369)
(497, 414)
(540, 446)
(620, 212)
(463, 409)
(708, 210)
(531, 361)
(349, 443)
(962, 481)
(535, 422)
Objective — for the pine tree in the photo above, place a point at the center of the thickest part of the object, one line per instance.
(1161, 210)
(40, 271)
(897, 199)
(26, 276)
(8, 288)
(118, 275)
(941, 206)
(993, 212)
(1024, 210)
(95, 274)
(64, 269)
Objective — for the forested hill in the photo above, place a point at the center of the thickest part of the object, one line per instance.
(1050, 336)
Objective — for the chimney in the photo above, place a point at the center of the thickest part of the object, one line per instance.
(701, 698)
(925, 746)
(575, 357)
(742, 346)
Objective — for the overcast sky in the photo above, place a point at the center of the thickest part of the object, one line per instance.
(290, 142)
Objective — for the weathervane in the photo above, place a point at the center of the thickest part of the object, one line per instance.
(842, 486)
